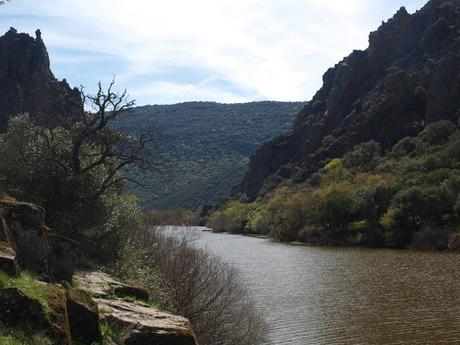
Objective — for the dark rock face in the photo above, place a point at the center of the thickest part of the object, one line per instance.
(27, 84)
(57, 318)
(18, 308)
(38, 249)
(407, 78)
(83, 317)
(8, 262)
(63, 256)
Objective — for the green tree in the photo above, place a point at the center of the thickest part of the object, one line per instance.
(363, 157)
(75, 172)
(414, 207)
(334, 207)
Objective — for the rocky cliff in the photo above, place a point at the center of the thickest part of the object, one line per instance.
(27, 84)
(408, 77)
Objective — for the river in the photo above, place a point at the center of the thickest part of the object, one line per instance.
(327, 296)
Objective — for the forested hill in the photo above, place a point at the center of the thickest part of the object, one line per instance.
(204, 147)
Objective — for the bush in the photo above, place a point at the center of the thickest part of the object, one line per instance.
(171, 217)
(431, 238)
(453, 242)
(201, 287)
(309, 234)
(233, 218)
(363, 157)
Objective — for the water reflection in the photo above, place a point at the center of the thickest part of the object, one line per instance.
(347, 296)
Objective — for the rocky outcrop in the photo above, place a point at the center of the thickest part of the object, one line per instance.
(408, 77)
(138, 322)
(8, 262)
(18, 308)
(27, 84)
(51, 316)
(100, 284)
(38, 249)
(83, 316)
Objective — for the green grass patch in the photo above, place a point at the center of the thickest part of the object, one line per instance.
(110, 335)
(19, 337)
(27, 284)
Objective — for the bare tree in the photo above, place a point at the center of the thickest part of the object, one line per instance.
(95, 130)
(202, 287)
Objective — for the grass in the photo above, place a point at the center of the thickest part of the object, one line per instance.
(110, 335)
(18, 337)
(27, 284)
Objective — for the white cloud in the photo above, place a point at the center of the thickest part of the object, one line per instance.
(265, 49)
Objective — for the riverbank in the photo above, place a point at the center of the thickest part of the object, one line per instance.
(426, 245)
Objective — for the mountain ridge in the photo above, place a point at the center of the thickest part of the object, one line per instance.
(405, 79)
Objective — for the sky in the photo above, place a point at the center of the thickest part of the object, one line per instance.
(170, 51)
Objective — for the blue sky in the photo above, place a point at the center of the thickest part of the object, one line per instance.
(169, 51)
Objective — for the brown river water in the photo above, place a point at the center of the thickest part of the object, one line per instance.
(327, 296)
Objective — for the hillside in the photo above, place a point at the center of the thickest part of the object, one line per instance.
(204, 147)
(406, 79)
(373, 158)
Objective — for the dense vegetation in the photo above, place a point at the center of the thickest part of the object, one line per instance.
(204, 147)
(406, 196)
(75, 172)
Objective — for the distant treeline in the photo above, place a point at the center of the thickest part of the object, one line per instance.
(171, 217)
(406, 196)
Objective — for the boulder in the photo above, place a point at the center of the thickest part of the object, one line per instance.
(16, 308)
(57, 317)
(83, 317)
(22, 227)
(63, 257)
(38, 248)
(8, 262)
(140, 324)
(102, 285)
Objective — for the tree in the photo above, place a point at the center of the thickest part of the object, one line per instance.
(333, 206)
(75, 172)
(363, 157)
(412, 208)
(114, 150)
(2, 2)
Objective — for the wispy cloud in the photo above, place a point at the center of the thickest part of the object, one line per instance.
(222, 50)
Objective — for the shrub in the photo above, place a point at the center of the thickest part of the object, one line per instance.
(233, 218)
(430, 238)
(203, 288)
(363, 157)
(309, 234)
